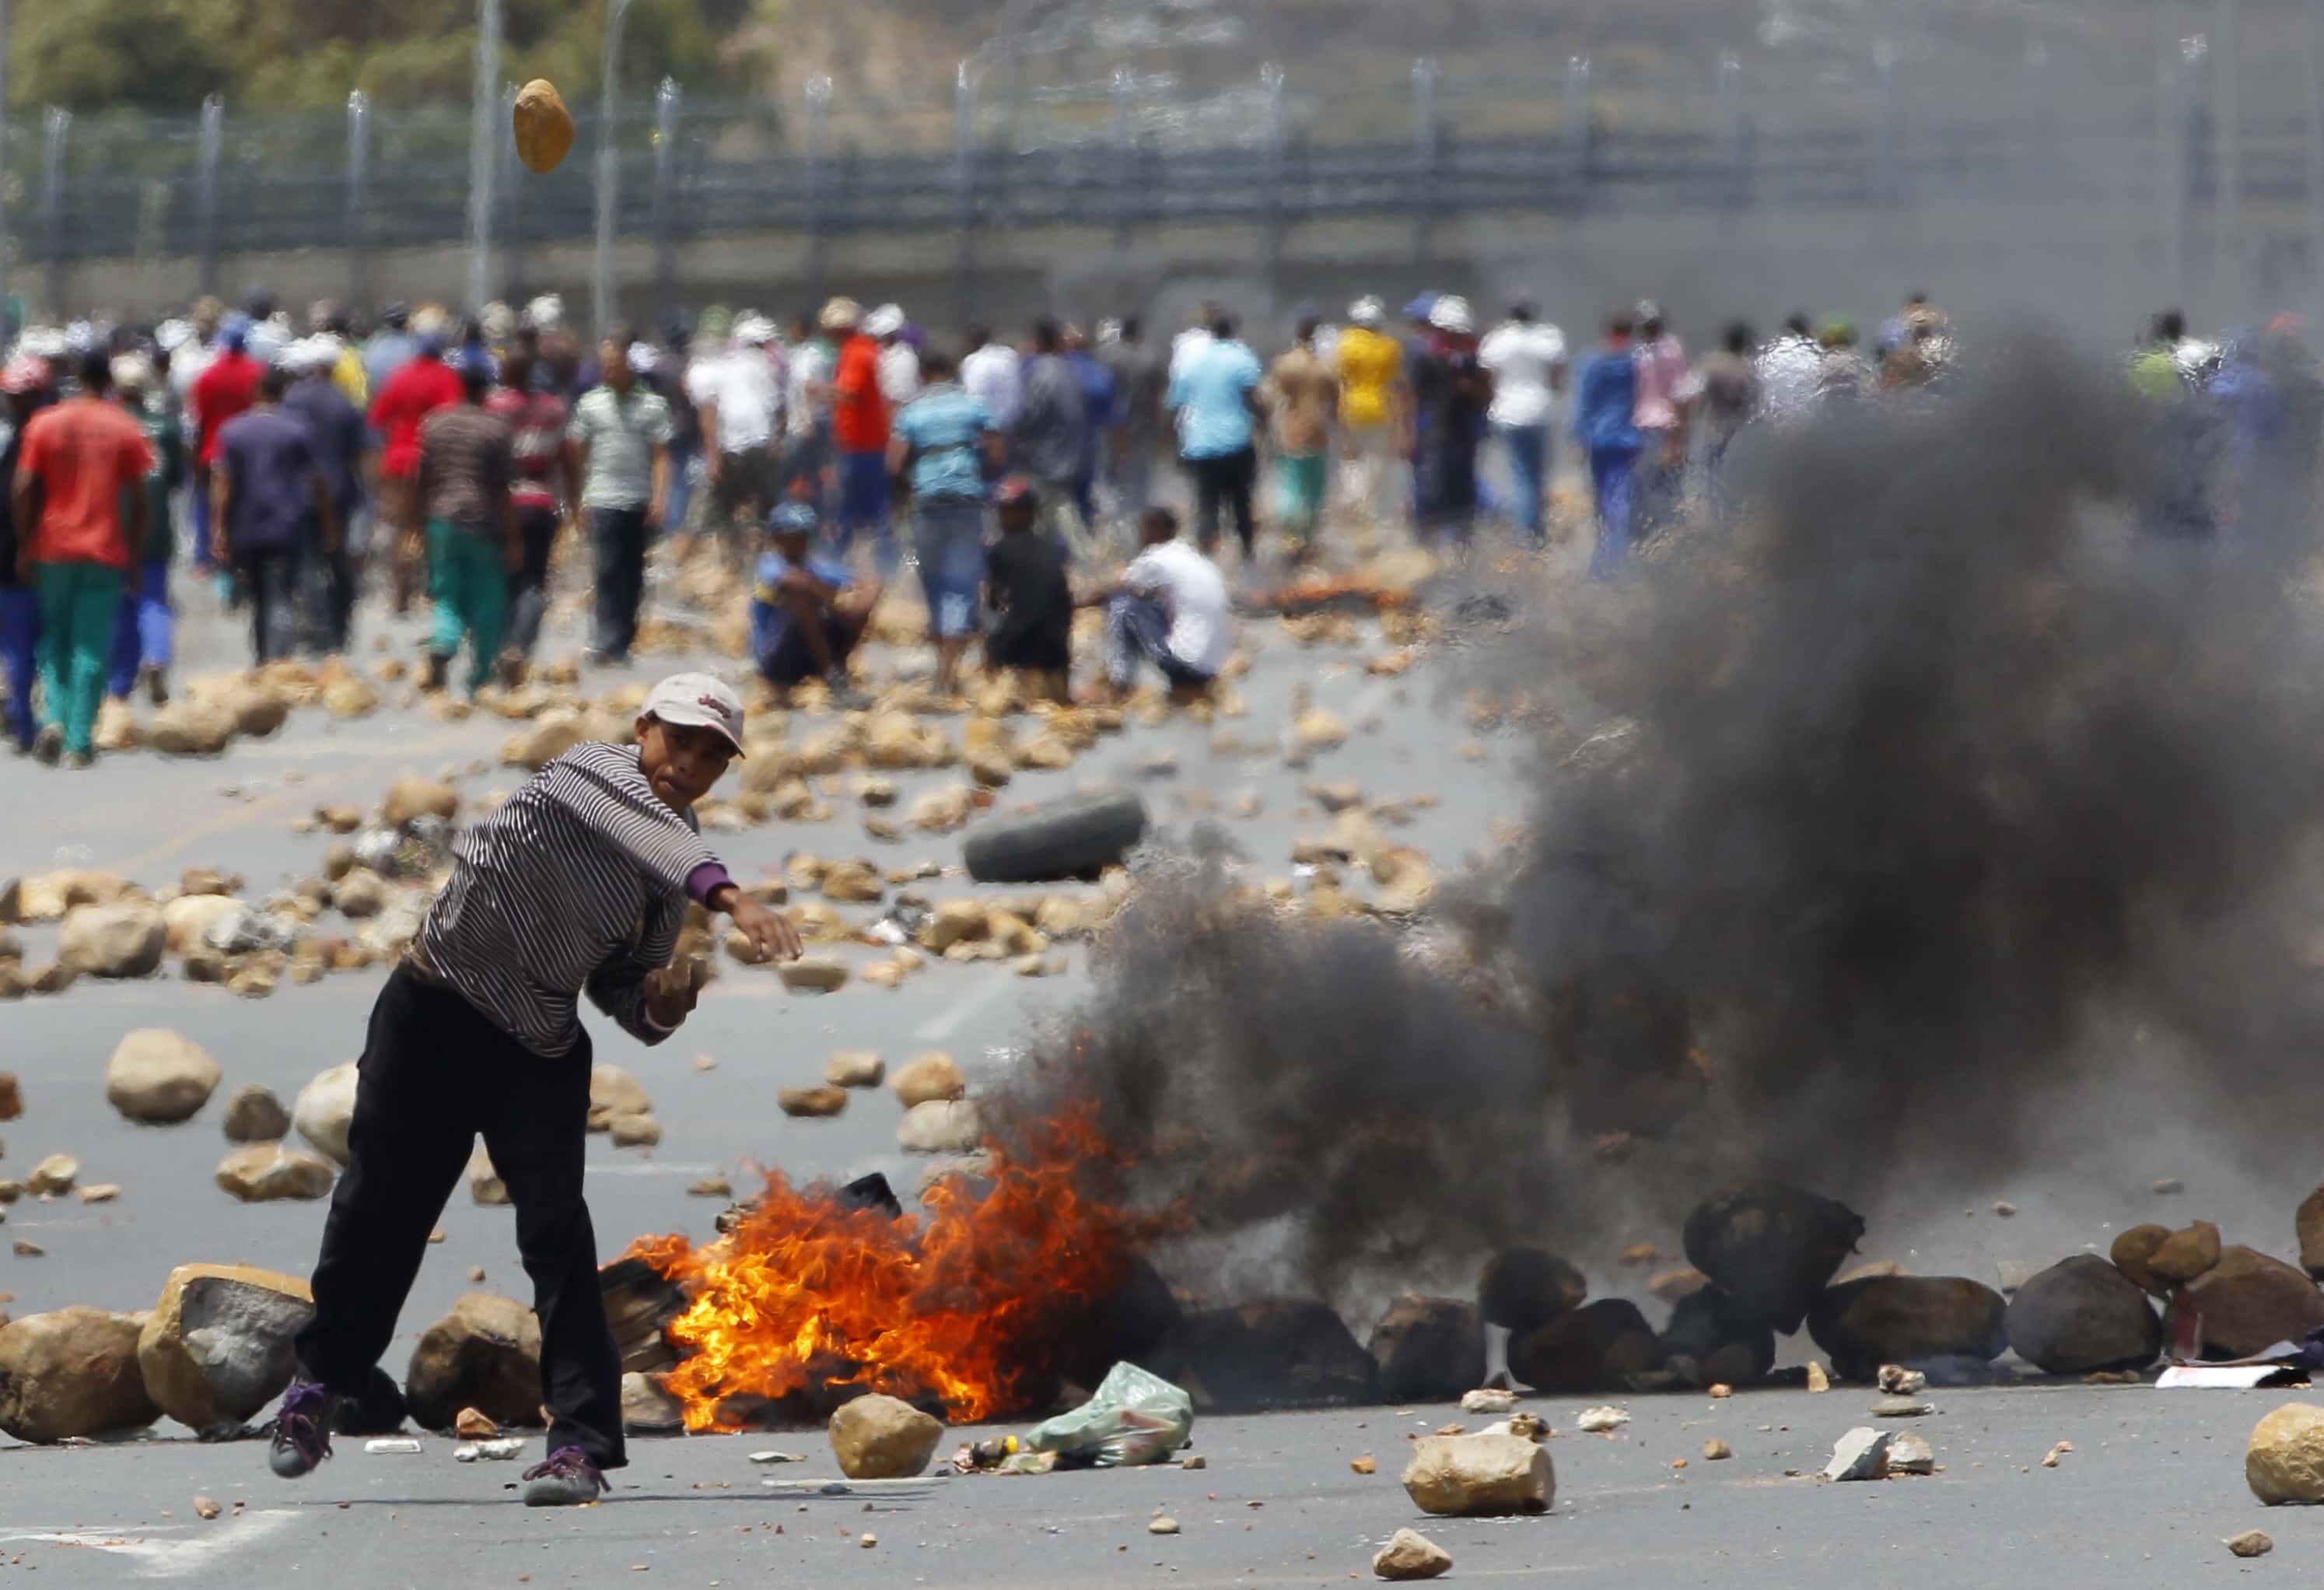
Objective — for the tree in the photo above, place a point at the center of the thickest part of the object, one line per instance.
(167, 55)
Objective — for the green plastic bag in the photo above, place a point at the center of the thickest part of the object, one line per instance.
(1135, 1417)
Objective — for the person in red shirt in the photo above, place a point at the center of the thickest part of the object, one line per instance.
(859, 426)
(546, 492)
(228, 385)
(422, 386)
(79, 487)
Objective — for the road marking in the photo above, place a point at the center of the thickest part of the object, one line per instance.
(164, 1558)
(944, 1025)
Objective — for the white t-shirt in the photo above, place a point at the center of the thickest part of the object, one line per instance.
(1193, 593)
(1791, 374)
(1524, 359)
(741, 383)
(900, 373)
(810, 366)
(992, 377)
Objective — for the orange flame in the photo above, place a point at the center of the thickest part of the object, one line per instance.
(967, 1304)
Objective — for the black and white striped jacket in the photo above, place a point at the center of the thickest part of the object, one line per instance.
(579, 880)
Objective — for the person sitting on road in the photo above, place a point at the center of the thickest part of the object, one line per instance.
(807, 612)
(1170, 608)
(1030, 596)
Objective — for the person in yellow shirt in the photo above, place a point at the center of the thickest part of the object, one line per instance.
(328, 320)
(1371, 407)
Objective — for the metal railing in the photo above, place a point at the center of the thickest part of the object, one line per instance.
(1137, 151)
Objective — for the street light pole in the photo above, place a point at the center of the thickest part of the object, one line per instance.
(608, 171)
(484, 143)
(4, 173)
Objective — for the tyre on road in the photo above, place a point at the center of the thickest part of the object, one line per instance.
(1074, 837)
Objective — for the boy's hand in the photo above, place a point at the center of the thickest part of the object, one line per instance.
(671, 993)
(771, 933)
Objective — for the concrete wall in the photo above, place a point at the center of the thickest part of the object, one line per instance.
(2100, 265)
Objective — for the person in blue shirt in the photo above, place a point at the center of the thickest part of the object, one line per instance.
(1097, 392)
(1604, 408)
(807, 612)
(944, 439)
(1213, 393)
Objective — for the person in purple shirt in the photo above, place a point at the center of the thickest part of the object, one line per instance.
(269, 505)
(338, 436)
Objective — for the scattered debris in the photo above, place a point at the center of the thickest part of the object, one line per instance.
(2049, 1459)
(1165, 1525)
(2250, 1543)
(882, 1437)
(1909, 1454)
(2165, 1187)
(1479, 1476)
(1489, 1399)
(1862, 1453)
(53, 1176)
(500, 1450)
(1593, 1422)
(1409, 1555)
(1818, 1381)
(1901, 1408)
(1134, 1418)
(2284, 1459)
(1897, 1380)
(1365, 1464)
(1716, 1451)
(207, 1507)
(2004, 1207)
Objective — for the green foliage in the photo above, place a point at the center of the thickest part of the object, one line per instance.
(166, 55)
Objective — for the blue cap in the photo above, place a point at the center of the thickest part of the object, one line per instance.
(793, 519)
(1419, 307)
(234, 331)
(477, 360)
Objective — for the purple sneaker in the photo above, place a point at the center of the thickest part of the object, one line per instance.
(568, 1479)
(302, 1430)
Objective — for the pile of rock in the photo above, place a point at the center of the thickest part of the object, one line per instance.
(2231, 1300)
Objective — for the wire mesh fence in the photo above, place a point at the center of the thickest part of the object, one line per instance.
(1422, 139)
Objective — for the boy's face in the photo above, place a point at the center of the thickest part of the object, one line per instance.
(682, 762)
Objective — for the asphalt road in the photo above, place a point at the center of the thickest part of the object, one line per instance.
(2153, 1486)
(2153, 1483)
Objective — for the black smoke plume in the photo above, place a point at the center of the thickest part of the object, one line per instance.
(1933, 789)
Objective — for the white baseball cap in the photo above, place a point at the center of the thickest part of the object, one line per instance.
(697, 700)
(884, 321)
(1450, 313)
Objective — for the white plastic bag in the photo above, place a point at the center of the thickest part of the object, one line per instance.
(1135, 1417)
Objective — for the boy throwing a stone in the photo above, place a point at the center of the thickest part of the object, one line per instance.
(578, 883)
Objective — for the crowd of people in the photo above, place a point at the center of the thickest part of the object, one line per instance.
(819, 460)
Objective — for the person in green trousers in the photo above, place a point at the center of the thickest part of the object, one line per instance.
(79, 461)
(468, 467)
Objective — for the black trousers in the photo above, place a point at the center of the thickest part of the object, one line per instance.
(434, 1073)
(1228, 480)
(268, 578)
(529, 586)
(617, 536)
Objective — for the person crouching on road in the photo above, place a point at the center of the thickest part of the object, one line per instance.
(579, 883)
(807, 611)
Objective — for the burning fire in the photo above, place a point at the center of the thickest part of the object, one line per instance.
(968, 1304)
